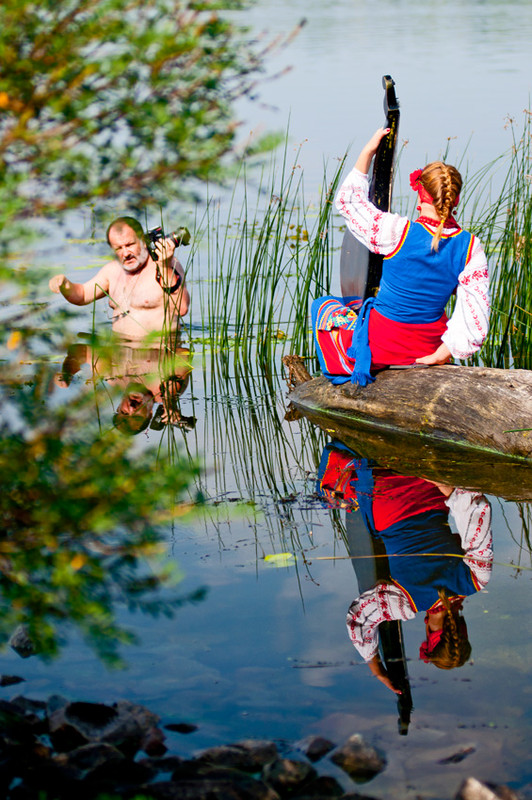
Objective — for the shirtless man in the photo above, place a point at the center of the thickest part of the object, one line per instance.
(144, 295)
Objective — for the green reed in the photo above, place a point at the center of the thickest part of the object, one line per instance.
(268, 255)
(504, 226)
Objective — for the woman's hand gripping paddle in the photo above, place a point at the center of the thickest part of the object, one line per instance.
(360, 270)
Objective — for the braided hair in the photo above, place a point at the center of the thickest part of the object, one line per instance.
(453, 649)
(444, 183)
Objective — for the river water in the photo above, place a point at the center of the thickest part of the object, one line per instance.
(262, 651)
(461, 72)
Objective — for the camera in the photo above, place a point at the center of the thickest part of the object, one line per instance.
(179, 237)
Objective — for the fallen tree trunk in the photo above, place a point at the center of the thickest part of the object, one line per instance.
(474, 407)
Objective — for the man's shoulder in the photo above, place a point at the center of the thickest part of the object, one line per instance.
(110, 268)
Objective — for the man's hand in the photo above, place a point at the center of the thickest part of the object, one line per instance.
(57, 282)
(165, 250)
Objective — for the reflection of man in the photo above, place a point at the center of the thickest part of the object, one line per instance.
(151, 379)
(144, 295)
(425, 566)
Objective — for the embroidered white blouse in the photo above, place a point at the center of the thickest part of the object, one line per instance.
(381, 232)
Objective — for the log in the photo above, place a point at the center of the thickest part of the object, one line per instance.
(470, 420)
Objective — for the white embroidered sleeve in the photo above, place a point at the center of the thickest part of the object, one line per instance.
(379, 231)
(468, 326)
(472, 515)
(385, 601)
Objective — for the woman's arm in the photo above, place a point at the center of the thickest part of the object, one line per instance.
(468, 326)
(384, 602)
(472, 515)
(379, 231)
(367, 153)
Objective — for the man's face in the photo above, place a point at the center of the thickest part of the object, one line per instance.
(130, 251)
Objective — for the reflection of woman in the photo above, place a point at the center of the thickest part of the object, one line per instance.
(429, 567)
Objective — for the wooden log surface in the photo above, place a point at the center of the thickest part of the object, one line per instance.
(473, 407)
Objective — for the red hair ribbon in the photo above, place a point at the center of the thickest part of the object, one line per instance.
(417, 186)
(429, 645)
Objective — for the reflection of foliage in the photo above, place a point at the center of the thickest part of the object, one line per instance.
(82, 518)
(104, 98)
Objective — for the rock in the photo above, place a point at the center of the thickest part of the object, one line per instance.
(315, 747)
(118, 774)
(455, 758)
(358, 759)
(15, 727)
(160, 764)
(472, 789)
(21, 643)
(249, 755)
(357, 796)
(90, 756)
(10, 680)
(127, 726)
(181, 727)
(286, 775)
(28, 706)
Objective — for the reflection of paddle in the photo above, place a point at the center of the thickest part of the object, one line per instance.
(393, 655)
(370, 562)
(360, 270)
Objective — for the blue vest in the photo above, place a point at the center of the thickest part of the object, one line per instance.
(415, 287)
(424, 554)
(420, 576)
(417, 282)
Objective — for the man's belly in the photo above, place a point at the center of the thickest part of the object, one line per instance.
(136, 323)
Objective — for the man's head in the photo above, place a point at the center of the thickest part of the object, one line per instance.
(134, 411)
(126, 237)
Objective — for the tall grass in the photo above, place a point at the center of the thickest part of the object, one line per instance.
(267, 258)
(504, 226)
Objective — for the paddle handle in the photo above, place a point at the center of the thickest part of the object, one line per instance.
(380, 190)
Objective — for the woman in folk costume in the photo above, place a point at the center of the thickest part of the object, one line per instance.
(424, 263)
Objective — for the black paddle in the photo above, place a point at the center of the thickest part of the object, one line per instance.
(360, 270)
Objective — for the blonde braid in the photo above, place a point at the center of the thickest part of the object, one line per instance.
(453, 650)
(443, 182)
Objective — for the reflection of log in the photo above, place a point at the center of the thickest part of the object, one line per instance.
(463, 418)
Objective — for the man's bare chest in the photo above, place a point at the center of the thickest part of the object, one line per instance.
(135, 292)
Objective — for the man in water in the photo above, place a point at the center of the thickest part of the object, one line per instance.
(145, 295)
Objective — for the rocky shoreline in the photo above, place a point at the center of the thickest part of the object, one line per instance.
(59, 750)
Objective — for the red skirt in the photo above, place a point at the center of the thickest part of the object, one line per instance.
(390, 342)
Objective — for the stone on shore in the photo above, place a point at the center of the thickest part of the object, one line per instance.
(358, 759)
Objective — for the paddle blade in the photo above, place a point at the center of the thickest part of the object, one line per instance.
(360, 270)
(354, 260)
